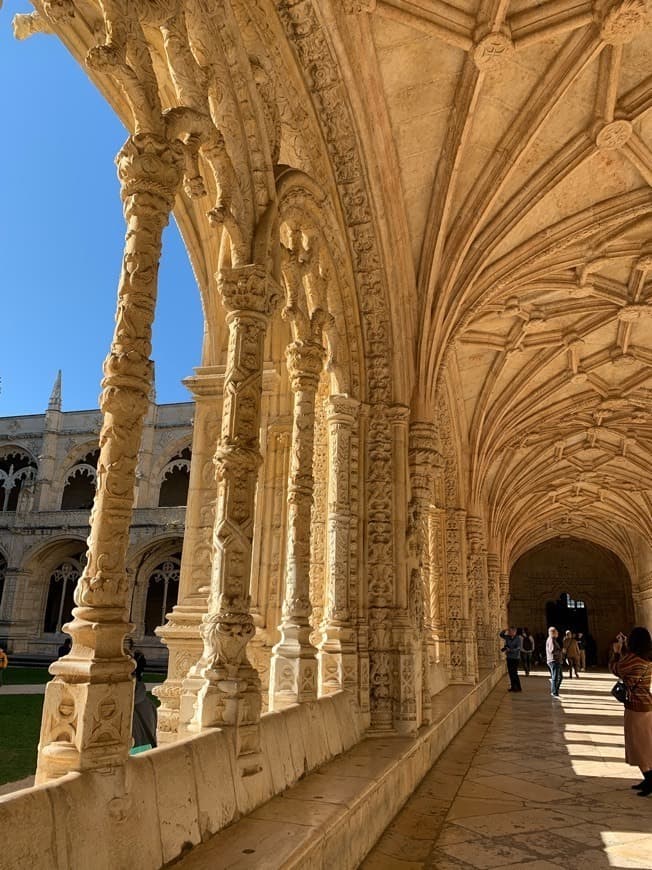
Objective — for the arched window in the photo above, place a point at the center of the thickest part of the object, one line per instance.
(175, 480)
(3, 574)
(16, 469)
(63, 580)
(79, 488)
(162, 592)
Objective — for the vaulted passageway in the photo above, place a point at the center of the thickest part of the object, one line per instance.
(572, 584)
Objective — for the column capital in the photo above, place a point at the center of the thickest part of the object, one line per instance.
(305, 363)
(248, 289)
(398, 415)
(342, 409)
(151, 164)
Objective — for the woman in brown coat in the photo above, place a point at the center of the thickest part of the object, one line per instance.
(572, 654)
(631, 661)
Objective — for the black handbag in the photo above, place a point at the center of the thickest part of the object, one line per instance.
(620, 692)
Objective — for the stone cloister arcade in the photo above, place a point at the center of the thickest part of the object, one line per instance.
(422, 237)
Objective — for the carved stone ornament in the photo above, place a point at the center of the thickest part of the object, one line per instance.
(613, 135)
(357, 7)
(492, 50)
(623, 21)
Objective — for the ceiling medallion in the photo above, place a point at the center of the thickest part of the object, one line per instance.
(492, 50)
(613, 135)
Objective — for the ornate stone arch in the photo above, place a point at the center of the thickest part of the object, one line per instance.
(52, 570)
(142, 562)
(176, 471)
(78, 490)
(307, 220)
(18, 468)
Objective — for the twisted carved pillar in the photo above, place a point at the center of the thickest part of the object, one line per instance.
(338, 647)
(88, 706)
(293, 674)
(229, 696)
(181, 634)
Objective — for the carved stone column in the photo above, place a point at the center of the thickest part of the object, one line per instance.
(338, 648)
(478, 584)
(495, 616)
(230, 694)
(293, 673)
(437, 585)
(88, 706)
(463, 649)
(407, 620)
(424, 460)
(181, 634)
(504, 598)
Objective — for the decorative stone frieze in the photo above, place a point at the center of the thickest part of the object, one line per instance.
(88, 706)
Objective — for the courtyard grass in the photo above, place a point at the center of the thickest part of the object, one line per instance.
(20, 724)
(40, 676)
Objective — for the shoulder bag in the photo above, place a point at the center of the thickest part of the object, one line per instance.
(622, 692)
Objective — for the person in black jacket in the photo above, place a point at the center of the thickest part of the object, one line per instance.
(512, 649)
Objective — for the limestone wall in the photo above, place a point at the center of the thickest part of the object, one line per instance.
(167, 800)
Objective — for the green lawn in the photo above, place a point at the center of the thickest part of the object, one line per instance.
(35, 676)
(20, 723)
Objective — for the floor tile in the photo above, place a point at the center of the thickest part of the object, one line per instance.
(530, 783)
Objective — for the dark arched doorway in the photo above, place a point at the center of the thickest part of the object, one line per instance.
(572, 584)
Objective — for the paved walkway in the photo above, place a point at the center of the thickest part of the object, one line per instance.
(530, 782)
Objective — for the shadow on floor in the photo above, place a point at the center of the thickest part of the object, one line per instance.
(530, 782)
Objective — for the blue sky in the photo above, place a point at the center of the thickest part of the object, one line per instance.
(61, 235)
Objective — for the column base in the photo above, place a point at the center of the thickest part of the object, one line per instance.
(230, 702)
(85, 726)
(337, 659)
(182, 637)
(293, 670)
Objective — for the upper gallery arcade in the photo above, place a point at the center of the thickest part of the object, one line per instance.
(422, 235)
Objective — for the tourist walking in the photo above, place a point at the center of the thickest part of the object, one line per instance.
(527, 651)
(631, 660)
(512, 649)
(554, 656)
(581, 643)
(571, 654)
(4, 662)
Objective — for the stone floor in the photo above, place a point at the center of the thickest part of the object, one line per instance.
(530, 782)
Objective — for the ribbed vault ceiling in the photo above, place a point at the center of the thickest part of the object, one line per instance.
(509, 145)
(523, 138)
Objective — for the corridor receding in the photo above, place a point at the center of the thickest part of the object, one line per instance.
(528, 783)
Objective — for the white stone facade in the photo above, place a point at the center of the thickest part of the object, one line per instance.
(421, 234)
(45, 523)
